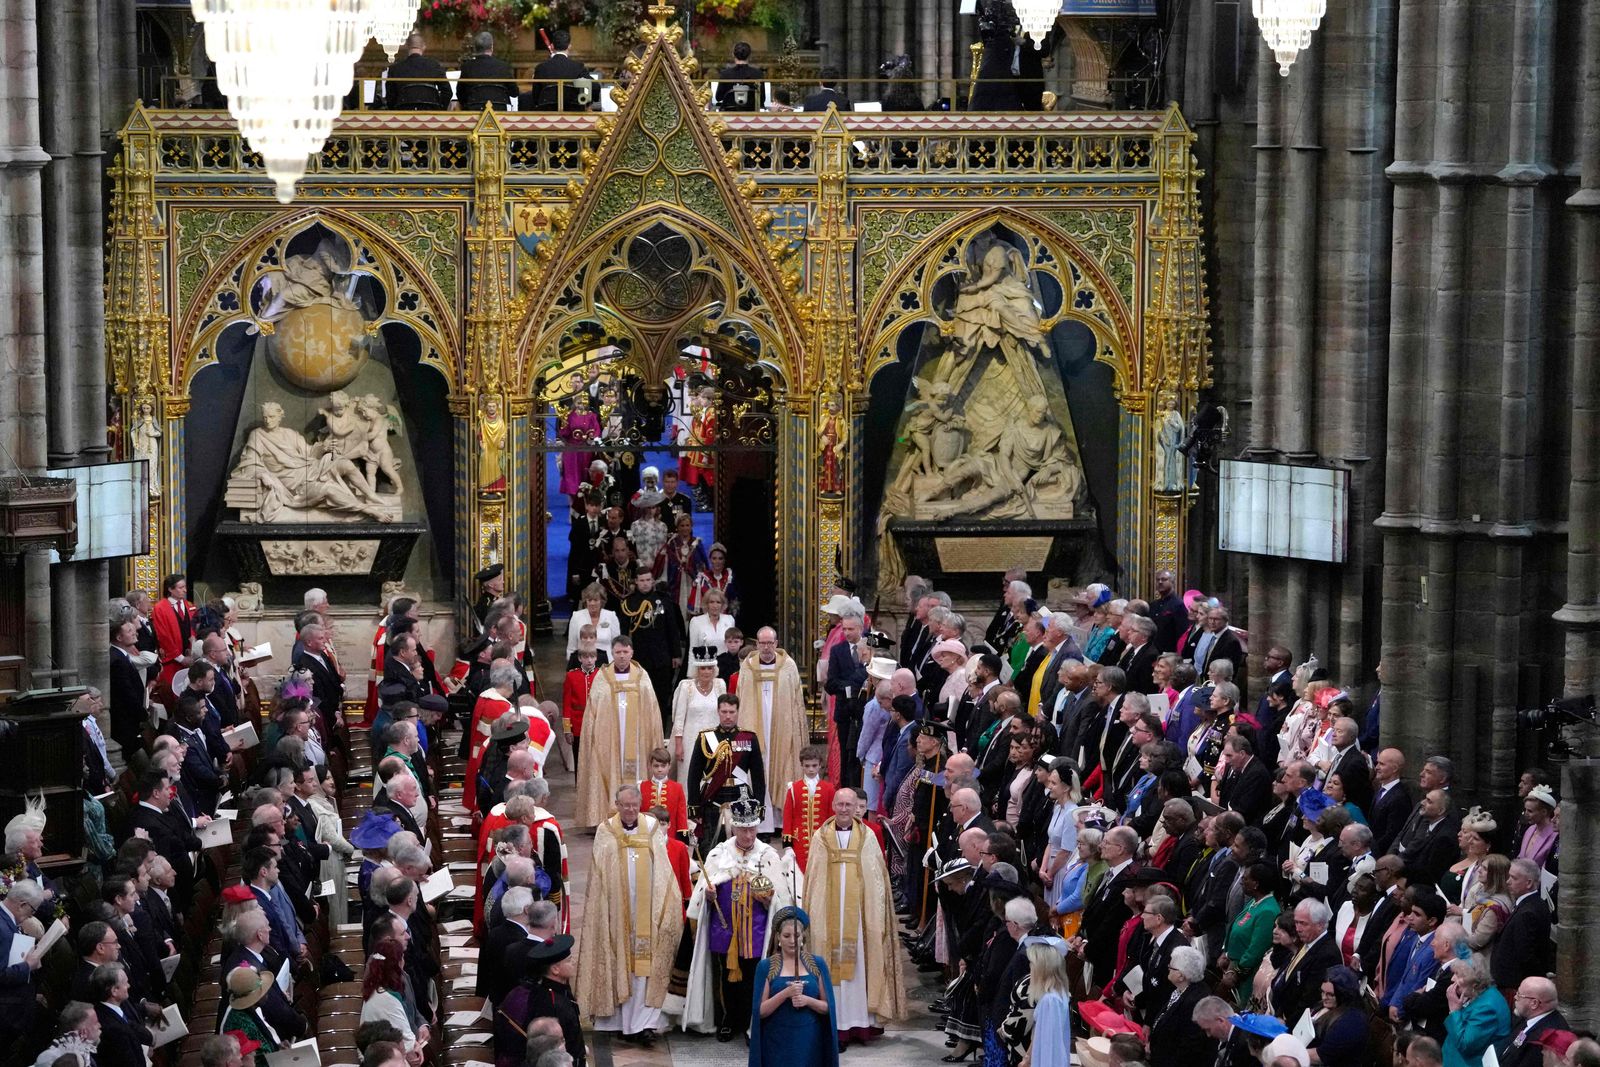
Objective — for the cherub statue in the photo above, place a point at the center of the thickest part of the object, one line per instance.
(927, 417)
(381, 420)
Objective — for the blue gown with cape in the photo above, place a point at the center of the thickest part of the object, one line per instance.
(793, 1036)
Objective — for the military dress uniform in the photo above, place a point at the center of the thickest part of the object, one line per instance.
(725, 764)
(655, 626)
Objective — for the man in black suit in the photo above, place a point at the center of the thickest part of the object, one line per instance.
(1536, 1013)
(304, 835)
(1350, 764)
(585, 538)
(254, 931)
(416, 82)
(137, 948)
(1138, 659)
(551, 89)
(984, 682)
(124, 1038)
(1246, 785)
(1033, 632)
(1100, 732)
(127, 705)
(1524, 949)
(1428, 843)
(1275, 664)
(1167, 609)
(223, 696)
(1391, 799)
(1217, 642)
(1002, 628)
(739, 83)
(1283, 825)
(915, 637)
(199, 771)
(1215, 1018)
(1074, 701)
(486, 78)
(994, 759)
(828, 93)
(170, 836)
(495, 973)
(1209, 882)
(326, 685)
(1390, 875)
(400, 792)
(96, 943)
(847, 684)
(1060, 650)
(1105, 913)
(1298, 987)
(1160, 926)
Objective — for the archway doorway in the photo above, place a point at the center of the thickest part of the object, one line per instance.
(662, 381)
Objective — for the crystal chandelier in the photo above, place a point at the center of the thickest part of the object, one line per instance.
(392, 21)
(1288, 25)
(1038, 18)
(285, 66)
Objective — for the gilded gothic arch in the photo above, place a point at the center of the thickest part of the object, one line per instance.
(219, 274)
(1100, 287)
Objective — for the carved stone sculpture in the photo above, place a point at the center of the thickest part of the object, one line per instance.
(145, 437)
(1171, 475)
(316, 334)
(282, 477)
(287, 558)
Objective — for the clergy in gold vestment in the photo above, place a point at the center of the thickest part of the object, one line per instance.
(851, 904)
(772, 705)
(621, 724)
(632, 919)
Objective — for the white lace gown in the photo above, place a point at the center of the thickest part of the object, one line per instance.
(693, 712)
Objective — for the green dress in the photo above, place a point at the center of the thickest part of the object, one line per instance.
(253, 1027)
(1250, 938)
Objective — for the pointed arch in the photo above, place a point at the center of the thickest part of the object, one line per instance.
(903, 300)
(659, 159)
(434, 317)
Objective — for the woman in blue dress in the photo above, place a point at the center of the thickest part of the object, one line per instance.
(791, 1016)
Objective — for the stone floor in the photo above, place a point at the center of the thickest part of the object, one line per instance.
(909, 1041)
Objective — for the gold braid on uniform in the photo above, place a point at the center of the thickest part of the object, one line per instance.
(720, 757)
(645, 616)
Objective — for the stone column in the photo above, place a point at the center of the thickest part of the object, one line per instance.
(1581, 613)
(74, 227)
(22, 307)
(1578, 937)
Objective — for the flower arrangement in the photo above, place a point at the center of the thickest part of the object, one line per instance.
(777, 16)
(49, 911)
(711, 15)
(457, 18)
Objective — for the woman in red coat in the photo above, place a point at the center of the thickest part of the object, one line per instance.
(174, 621)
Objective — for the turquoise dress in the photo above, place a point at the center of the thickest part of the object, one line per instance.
(1470, 1030)
(793, 1036)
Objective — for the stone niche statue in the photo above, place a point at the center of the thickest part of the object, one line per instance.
(345, 473)
(985, 434)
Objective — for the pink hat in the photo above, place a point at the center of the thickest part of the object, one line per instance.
(1192, 595)
(951, 647)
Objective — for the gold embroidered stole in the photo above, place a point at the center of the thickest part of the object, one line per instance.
(844, 870)
(765, 672)
(626, 690)
(639, 939)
